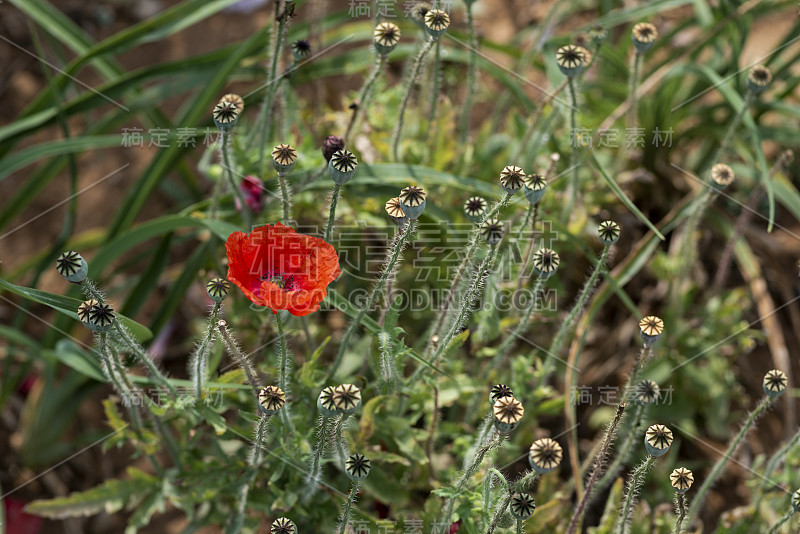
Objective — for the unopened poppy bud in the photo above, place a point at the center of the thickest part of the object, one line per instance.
(357, 467)
(545, 455)
(657, 440)
(386, 36)
(522, 506)
(651, 328)
(413, 201)
(545, 262)
(271, 399)
(283, 158)
(347, 398)
(507, 412)
(331, 145)
(512, 178)
(72, 266)
(643, 35)
(342, 166)
(217, 289)
(608, 231)
(774, 383)
(436, 23)
(535, 187)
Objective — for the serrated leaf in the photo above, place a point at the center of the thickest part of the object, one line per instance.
(110, 496)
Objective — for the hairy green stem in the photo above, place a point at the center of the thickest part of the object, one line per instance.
(599, 462)
(510, 339)
(633, 82)
(415, 68)
(198, 363)
(634, 486)
(518, 486)
(681, 507)
(573, 186)
(348, 506)
(566, 326)
(469, 472)
(731, 130)
(719, 467)
(238, 356)
(466, 111)
(227, 171)
(625, 449)
(284, 368)
(273, 83)
(315, 470)
(771, 465)
(434, 109)
(286, 201)
(332, 215)
(394, 254)
(364, 97)
(782, 521)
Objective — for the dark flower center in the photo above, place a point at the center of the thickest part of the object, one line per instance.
(282, 280)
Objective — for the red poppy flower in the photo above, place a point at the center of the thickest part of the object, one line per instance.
(274, 266)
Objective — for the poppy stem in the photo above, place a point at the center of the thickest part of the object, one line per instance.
(286, 201)
(348, 506)
(198, 363)
(364, 97)
(332, 214)
(520, 485)
(228, 172)
(574, 138)
(264, 122)
(469, 472)
(111, 368)
(388, 269)
(238, 355)
(284, 368)
(624, 450)
(414, 72)
(471, 83)
(315, 469)
(634, 487)
(633, 82)
(682, 507)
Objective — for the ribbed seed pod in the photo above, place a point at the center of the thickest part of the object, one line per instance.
(512, 178)
(545, 262)
(657, 440)
(217, 289)
(72, 266)
(492, 231)
(570, 60)
(394, 208)
(545, 455)
(325, 404)
(386, 36)
(535, 187)
(507, 412)
(758, 79)
(681, 480)
(522, 506)
(271, 399)
(283, 525)
(436, 23)
(413, 201)
(651, 328)
(499, 391)
(608, 231)
(475, 208)
(347, 398)
(643, 35)
(774, 383)
(357, 467)
(283, 158)
(342, 166)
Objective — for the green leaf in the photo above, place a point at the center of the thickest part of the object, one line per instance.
(69, 306)
(71, 355)
(61, 147)
(110, 496)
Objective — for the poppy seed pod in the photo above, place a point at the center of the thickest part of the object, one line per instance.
(217, 289)
(507, 412)
(347, 398)
(283, 525)
(225, 115)
(234, 99)
(385, 37)
(758, 79)
(774, 383)
(492, 231)
(545, 262)
(300, 50)
(608, 232)
(331, 145)
(475, 209)
(535, 187)
(647, 392)
(721, 175)
(72, 266)
(657, 440)
(512, 178)
(570, 60)
(643, 35)
(395, 211)
(271, 399)
(342, 166)
(357, 467)
(651, 328)
(283, 158)
(499, 391)
(325, 403)
(436, 23)
(545, 455)
(96, 316)
(598, 34)
(522, 506)
(681, 480)
(796, 501)
(413, 201)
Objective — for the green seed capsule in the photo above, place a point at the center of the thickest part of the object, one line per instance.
(522, 506)
(386, 36)
(608, 231)
(774, 383)
(271, 399)
(325, 404)
(545, 262)
(342, 166)
(347, 398)
(283, 525)
(507, 412)
(413, 201)
(657, 440)
(357, 467)
(681, 480)
(217, 289)
(545, 455)
(436, 23)
(643, 35)
(72, 266)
